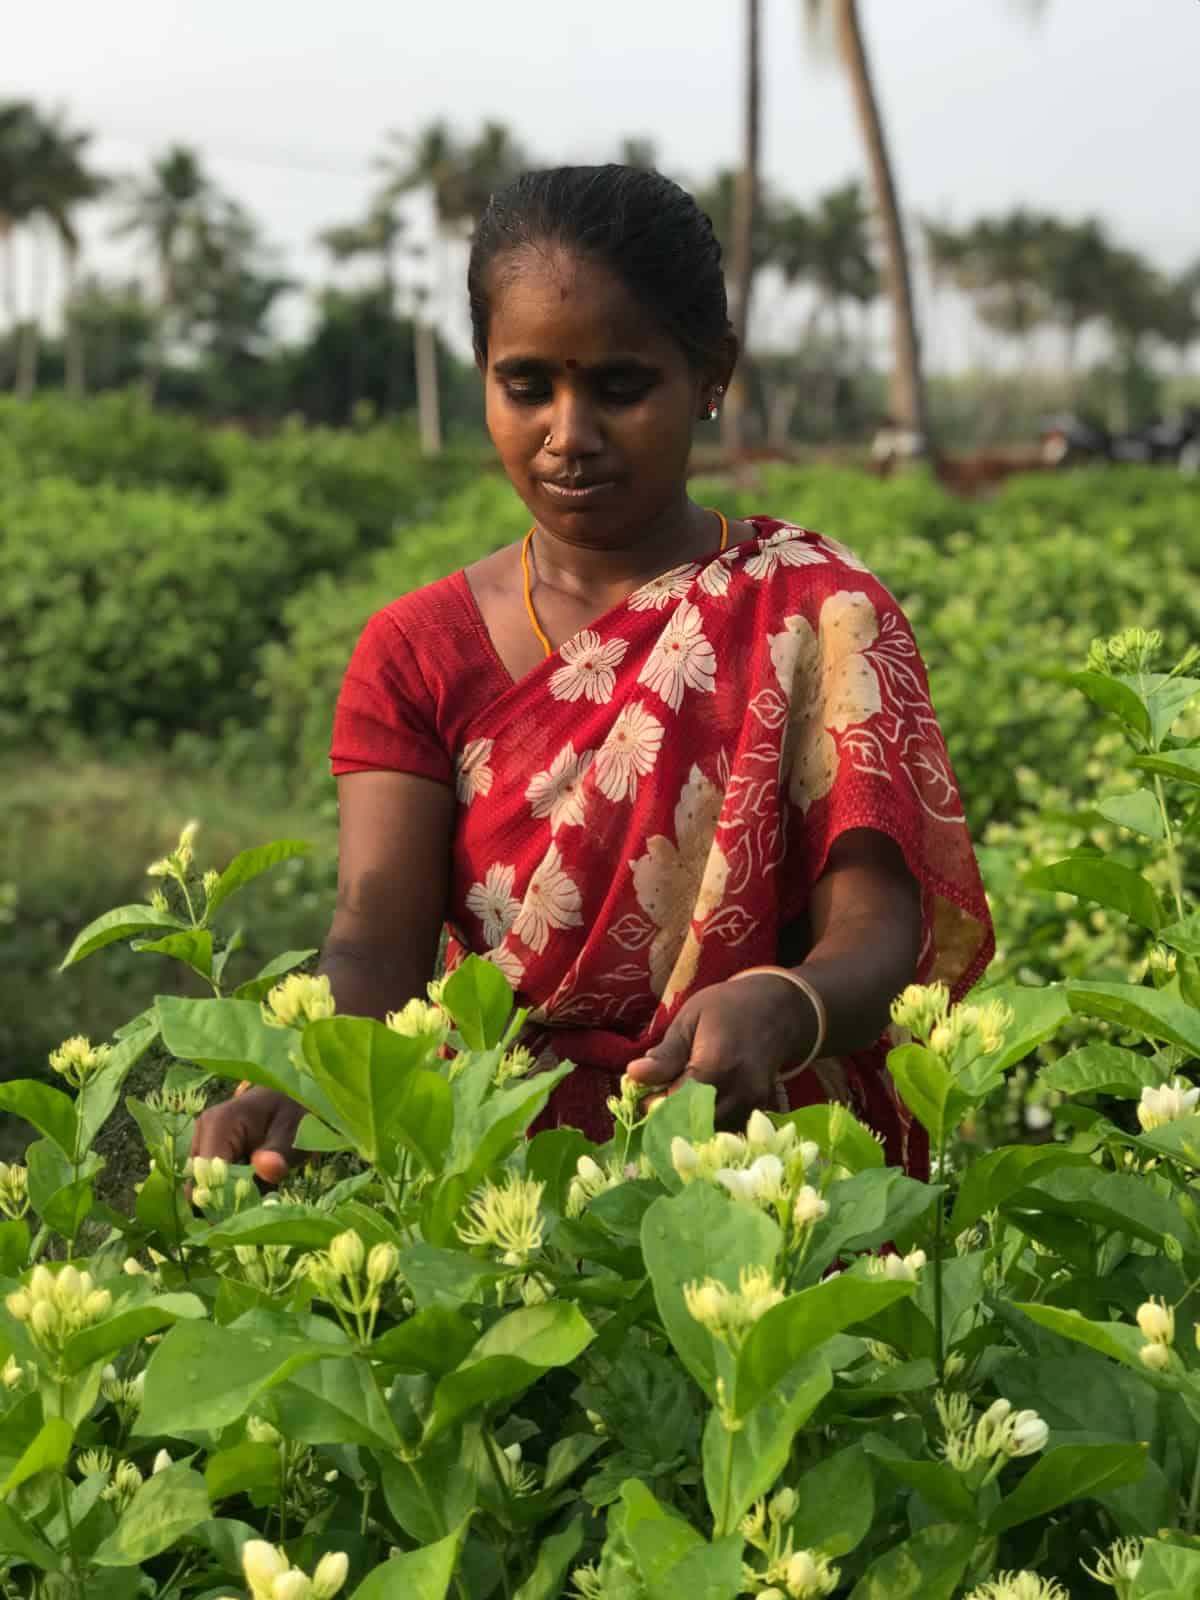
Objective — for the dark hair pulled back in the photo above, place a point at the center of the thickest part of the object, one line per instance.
(644, 228)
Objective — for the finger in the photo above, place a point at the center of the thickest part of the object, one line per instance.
(220, 1132)
(270, 1165)
(664, 1062)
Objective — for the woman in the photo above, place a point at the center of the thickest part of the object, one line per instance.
(678, 777)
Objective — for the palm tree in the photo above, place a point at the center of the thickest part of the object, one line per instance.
(907, 402)
(378, 236)
(66, 182)
(460, 178)
(19, 133)
(171, 209)
(745, 206)
(907, 399)
(1076, 267)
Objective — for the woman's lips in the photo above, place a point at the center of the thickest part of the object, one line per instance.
(581, 494)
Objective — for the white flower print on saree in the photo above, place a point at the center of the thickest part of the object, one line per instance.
(473, 776)
(588, 669)
(493, 902)
(551, 900)
(558, 793)
(628, 753)
(682, 658)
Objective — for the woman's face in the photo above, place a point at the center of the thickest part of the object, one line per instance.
(590, 403)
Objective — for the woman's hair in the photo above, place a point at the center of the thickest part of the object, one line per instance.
(638, 224)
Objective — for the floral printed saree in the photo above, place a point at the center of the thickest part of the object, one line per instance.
(646, 813)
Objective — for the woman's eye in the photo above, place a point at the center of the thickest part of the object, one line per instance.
(527, 394)
(625, 394)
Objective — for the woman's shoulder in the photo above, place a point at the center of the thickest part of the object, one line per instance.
(792, 544)
(438, 603)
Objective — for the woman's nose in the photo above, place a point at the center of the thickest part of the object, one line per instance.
(575, 429)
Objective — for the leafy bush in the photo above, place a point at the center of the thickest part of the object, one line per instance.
(451, 1360)
(114, 439)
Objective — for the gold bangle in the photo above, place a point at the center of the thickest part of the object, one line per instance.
(815, 1000)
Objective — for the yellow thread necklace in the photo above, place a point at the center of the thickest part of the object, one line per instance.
(529, 607)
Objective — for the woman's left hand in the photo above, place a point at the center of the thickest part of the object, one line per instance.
(737, 1036)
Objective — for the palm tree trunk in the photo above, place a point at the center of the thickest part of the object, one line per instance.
(8, 294)
(30, 344)
(907, 393)
(76, 378)
(745, 201)
(429, 410)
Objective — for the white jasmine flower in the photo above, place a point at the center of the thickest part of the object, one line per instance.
(1019, 1586)
(1025, 1434)
(299, 999)
(1155, 1356)
(78, 1060)
(161, 1462)
(1119, 1565)
(1157, 1321)
(898, 1268)
(1167, 1103)
(418, 1019)
(920, 1008)
(508, 1218)
(808, 1207)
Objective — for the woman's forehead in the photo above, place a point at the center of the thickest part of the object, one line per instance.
(559, 307)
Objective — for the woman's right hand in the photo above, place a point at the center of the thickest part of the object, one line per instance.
(257, 1126)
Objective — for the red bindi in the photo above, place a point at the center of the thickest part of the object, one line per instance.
(571, 364)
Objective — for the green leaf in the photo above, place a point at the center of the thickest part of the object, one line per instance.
(193, 948)
(247, 1468)
(166, 1507)
(1112, 1199)
(265, 979)
(1101, 1069)
(99, 1095)
(547, 1581)
(126, 1325)
(838, 1134)
(929, 1566)
(61, 1200)
(447, 1277)
(1108, 883)
(928, 1090)
(1167, 1572)
(203, 1377)
(249, 864)
(312, 1134)
(1121, 1341)
(1138, 812)
(762, 1446)
(433, 1341)
(50, 1110)
(418, 1575)
(492, 1128)
(1115, 696)
(509, 1358)
(865, 1211)
(988, 1182)
(672, 1558)
(336, 1402)
(1155, 1013)
(478, 997)
(286, 1223)
(791, 1331)
(1072, 1472)
(697, 1234)
(378, 1086)
(123, 923)
(934, 1481)
(14, 1248)
(1184, 935)
(686, 1114)
(1038, 1013)
(1181, 765)
(1166, 696)
(48, 1451)
(230, 1038)
(550, 1158)
(18, 1541)
(1179, 1140)
(837, 1504)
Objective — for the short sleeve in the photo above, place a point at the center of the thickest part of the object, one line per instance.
(386, 717)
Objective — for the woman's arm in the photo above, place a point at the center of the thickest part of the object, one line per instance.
(865, 915)
(393, 871)
(394, 836)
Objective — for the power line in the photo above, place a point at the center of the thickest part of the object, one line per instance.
(255, 155)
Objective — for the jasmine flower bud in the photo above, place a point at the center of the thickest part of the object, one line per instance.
(331, 1573)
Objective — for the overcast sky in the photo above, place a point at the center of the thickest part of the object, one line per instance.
(1093, 108)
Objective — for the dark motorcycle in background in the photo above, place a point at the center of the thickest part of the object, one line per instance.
(1071, 439)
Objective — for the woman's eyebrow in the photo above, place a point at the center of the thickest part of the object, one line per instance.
(536, 366)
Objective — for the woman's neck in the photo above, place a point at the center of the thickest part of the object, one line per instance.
(682, 532)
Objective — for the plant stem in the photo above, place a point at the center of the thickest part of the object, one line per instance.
(722, 1527)
(939, 1226)
(66, 1499)
(1193, 1505)
(1171, 852)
